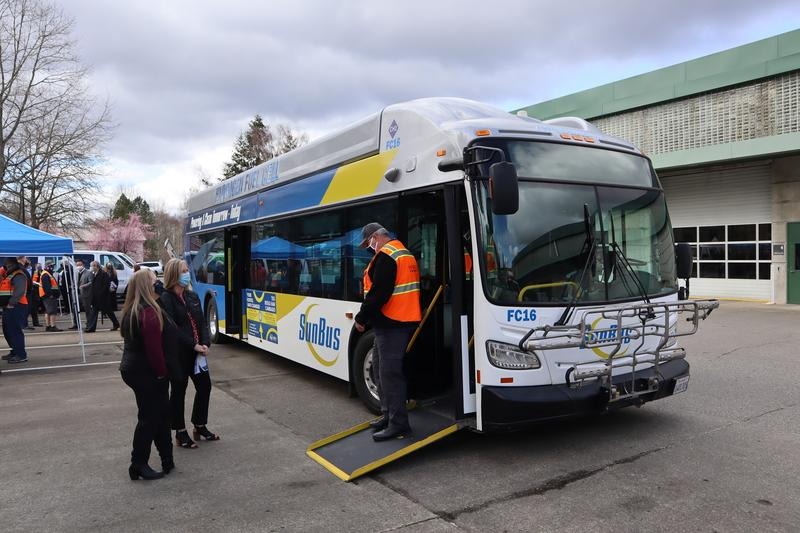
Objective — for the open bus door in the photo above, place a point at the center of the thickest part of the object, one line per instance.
(237, 260)
(438, 357)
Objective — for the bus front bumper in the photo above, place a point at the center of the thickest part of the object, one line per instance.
(513, 408)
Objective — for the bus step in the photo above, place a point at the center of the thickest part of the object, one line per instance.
(352, 453)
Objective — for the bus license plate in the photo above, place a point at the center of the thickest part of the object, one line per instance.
(681, 384)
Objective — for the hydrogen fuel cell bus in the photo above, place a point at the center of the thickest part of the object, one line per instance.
(549, 276)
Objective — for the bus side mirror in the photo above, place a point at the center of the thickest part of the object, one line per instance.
(683, 260)
(503, 188)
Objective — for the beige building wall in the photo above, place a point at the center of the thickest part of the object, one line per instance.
(785, 209)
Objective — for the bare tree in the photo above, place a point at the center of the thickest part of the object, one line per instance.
(50, 127)
(167, 226)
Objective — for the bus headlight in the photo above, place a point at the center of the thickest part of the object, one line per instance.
(510, 357)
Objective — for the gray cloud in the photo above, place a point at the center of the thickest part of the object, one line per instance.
(184, 75)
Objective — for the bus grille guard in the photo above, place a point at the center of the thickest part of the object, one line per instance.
(629, 324)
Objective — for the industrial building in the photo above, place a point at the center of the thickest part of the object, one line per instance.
(723, 132)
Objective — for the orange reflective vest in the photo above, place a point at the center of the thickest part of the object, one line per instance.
(53, 285)
(7, 288)
(403, 304)
(491, 262)
(467, 265)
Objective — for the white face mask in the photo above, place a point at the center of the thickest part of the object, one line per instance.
(373, 244)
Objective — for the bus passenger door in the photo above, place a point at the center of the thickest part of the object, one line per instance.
(459, 300)
(427, 366)
(237, 259)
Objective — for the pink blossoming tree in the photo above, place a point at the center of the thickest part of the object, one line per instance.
(127, 236)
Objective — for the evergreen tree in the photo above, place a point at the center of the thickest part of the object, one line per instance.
(121, 213)
(259, 144)
(122, 208)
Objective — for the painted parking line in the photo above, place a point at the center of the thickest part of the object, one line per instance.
(76, 345)
(58, 367)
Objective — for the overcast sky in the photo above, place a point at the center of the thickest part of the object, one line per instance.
(184, 78)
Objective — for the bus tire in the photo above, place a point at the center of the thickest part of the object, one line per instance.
(364, 378)
(212, 319)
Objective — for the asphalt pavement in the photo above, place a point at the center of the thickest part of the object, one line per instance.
(720, 457)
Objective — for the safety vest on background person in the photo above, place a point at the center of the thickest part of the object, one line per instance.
(403, 305)
(467, 265)
(53, 285)
(491, 262)
(7, 288)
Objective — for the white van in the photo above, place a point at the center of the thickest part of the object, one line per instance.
(121, 262)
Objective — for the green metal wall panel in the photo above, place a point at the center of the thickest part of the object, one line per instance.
(767, 57)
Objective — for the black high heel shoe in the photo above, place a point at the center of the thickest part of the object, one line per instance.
(144, 472)
(183, 440)
(167, 465)
(203, 432)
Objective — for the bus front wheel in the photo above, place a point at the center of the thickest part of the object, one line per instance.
(364, 375)
(212, 319)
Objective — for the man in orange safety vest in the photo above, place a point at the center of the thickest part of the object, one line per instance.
(392, 307)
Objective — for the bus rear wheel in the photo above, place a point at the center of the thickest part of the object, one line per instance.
(364, 376)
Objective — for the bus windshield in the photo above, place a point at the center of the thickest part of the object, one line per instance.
(576, 242)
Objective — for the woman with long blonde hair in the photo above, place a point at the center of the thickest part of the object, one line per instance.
(143, 369)
(186, 353)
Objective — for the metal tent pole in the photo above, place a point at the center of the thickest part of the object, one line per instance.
(78, 309)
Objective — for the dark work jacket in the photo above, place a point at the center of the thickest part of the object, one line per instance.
(179, 338)
(382, 272)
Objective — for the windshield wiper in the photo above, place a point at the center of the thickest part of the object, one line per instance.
(627, 269)
(590, 244)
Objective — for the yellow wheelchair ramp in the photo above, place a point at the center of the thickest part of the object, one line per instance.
(353, 453)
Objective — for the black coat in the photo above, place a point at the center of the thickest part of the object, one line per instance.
(111, 304)
(100, 285)
(179, 343)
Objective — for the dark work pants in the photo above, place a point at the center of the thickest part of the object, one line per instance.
(14, 320)
(390, 349)
(179, 374)
(152, 399)
(73, 309)
(33, 310)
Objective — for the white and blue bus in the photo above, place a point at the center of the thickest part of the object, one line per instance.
(548, 271)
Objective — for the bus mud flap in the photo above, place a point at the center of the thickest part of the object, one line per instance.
(352, 452)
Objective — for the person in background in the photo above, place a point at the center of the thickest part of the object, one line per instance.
(25, 268)
(85, 278)
(14, 287)
(143, 368)
(101, 284)
(186, 350)
(49, 293)
(392, 307)
(113, 285)
(65, 283)
(33, 297)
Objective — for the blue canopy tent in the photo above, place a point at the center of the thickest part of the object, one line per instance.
(277, 248)
(17, 239)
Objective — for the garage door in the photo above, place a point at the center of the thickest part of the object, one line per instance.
(725, 214)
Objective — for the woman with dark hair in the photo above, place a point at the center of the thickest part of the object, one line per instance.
(144, 370)
(186, 354)
(112, 287)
